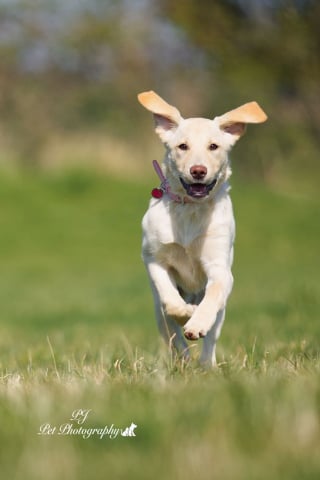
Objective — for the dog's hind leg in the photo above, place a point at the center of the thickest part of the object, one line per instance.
(208, 354)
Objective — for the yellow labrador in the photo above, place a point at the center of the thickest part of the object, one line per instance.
(189, 229)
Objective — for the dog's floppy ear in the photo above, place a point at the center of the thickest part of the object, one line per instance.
(166, 116)
(235, 121)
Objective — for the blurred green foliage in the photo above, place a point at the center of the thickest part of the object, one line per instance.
(76, 68)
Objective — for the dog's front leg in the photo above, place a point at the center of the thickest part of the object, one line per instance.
(204, 317)
(169, 329)
(170, 299)
(166, 302)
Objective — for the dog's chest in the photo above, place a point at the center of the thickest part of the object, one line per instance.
(186, 224)
(186, 230)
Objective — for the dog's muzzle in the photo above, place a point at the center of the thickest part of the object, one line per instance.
(198, 190)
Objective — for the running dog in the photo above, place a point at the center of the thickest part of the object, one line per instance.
(189, 228)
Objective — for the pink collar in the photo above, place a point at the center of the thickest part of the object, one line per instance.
(165, 187)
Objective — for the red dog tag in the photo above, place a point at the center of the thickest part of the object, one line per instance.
(157, 193)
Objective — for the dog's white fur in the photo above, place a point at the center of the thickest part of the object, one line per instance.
(188, 247)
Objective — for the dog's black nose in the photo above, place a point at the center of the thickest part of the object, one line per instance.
(198, 172)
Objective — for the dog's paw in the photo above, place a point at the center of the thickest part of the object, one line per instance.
(194, 330)
(180, 313)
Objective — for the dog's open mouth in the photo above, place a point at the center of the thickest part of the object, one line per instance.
(198, 190)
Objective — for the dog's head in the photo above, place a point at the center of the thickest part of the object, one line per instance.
(197, 148)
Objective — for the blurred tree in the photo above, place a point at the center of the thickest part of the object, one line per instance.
(78, 65)
(275, 46)
(268, 51)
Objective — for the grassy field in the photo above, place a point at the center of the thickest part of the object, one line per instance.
(77, 332)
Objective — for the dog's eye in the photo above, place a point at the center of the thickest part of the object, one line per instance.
(183, 146)
(213, 146)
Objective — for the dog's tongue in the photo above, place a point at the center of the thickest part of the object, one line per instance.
(197, 190)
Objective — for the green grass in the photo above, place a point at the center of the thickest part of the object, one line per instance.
(77, 331)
